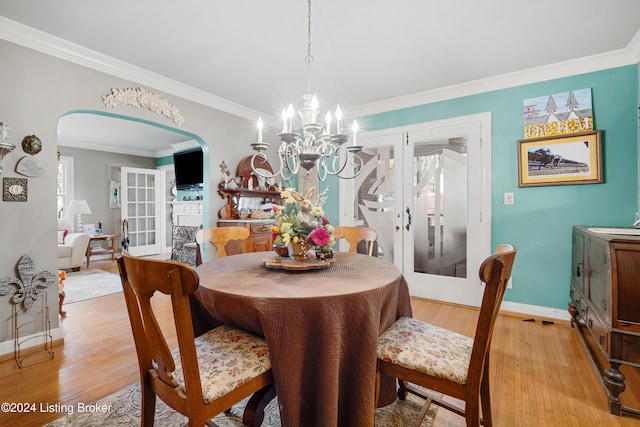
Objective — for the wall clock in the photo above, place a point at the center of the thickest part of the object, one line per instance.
(14, 189)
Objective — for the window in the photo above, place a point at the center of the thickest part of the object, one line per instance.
(64, 187)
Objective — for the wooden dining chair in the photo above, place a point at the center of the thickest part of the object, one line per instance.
(355, 235)
(204, 376)
(444, 361)
(219, 237)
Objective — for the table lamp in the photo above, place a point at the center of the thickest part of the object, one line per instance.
(79, 207)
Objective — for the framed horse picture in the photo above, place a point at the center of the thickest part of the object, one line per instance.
(560, 160)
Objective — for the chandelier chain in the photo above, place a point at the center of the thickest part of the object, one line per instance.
(327, 152)
(309, 57)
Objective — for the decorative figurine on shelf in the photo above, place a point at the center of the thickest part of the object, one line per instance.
(225, 173)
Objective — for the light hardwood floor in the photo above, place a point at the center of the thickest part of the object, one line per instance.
(540, 374)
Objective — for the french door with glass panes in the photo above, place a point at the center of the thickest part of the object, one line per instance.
(426, 189)
(142, 208)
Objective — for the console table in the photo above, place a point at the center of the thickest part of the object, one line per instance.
(102, 250)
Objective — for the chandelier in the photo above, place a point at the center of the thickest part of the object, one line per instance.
(317, 145)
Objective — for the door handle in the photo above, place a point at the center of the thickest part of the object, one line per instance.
(408, 218)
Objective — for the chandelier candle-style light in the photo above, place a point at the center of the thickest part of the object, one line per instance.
(317, 146)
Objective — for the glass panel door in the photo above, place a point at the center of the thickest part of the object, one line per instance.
(440, 207)
(374, 194)
(141, 202)
(426, 189)
(446, 194)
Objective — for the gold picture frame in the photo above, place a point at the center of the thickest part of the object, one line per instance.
(560, 160)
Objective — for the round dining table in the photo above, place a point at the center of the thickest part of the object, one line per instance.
(321, 327)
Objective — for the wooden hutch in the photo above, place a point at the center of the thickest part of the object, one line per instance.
(244, 203)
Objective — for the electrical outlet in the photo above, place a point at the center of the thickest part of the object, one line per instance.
(508, 198)
(510, 283)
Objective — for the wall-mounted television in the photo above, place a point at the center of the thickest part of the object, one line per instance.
(188, 169)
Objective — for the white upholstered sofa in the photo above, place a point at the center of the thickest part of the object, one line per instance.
(72, 247)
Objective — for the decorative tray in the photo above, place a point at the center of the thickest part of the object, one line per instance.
(286, 263)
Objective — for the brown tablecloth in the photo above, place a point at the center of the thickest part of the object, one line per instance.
(321, 327)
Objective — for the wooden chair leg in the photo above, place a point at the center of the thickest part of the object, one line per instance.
(472, 412)
(148, 406)
(377, 399)
(254, 411)
(402, 390)
(485, 397)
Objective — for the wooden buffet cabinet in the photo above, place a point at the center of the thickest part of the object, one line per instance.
(605, 305)
(259, 239)
(257, 222)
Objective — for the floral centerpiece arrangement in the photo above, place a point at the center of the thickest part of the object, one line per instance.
(302, 225)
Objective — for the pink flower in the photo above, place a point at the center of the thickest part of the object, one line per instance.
(320, 236)
(325, 221)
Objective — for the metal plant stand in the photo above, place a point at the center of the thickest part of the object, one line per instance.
(28, 343)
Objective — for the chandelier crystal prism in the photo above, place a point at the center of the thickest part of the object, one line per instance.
(317, 146)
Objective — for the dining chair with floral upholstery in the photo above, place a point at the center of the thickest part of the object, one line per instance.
(204, 376)
(444, 361)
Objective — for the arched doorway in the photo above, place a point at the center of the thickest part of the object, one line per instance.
(106, 139)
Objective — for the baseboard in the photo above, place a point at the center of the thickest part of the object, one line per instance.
(7, 348)
(523, 310)
(535, 311)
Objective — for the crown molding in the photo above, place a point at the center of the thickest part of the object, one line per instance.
(627, 56)
(46, 43)
(40, 41)
(634, 48)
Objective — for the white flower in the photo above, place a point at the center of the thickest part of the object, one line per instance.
(286, 239)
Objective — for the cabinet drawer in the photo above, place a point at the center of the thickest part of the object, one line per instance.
(625, 347)
(259, 243)
(262, 228)
(599, 331)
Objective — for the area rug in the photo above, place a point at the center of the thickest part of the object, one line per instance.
(87, 284)
(123, 410)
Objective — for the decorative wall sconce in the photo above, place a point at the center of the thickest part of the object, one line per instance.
(5, 147)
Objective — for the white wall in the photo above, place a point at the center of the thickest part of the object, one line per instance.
(35, 91)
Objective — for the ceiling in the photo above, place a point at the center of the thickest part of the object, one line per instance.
(251, 54)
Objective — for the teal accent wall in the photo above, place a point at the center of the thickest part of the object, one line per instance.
(539, 223)
(331, 206)
(164, 161)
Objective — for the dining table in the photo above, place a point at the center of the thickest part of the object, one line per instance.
(321, 326)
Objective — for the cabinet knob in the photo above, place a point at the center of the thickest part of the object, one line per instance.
(602, 339)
